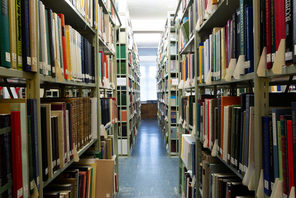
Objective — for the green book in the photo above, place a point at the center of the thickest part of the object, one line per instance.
(41, 65)
(19, 50)
(121, 67)
(121, 51)
(272, 16)
(280, 149)
(4, 35)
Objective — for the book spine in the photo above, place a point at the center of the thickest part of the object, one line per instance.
(19, 34)
(5, 59)
(272, 28)
(33, 34)
(51, 43)
(266, 154)
(249, 39)
(26, 48)
(287, 8)
(294, 136)
(12, 33)
(290, 154)
(262, 25)
(268, 34)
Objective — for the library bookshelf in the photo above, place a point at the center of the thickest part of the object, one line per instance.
(167, 81)
(97, 86)
(258, 82)
(128, 87)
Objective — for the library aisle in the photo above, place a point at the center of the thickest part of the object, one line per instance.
(149, 171)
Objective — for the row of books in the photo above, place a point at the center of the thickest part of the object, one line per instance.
(109, 112)
(87, 9)
(278, 146)
(277, 23)
(106, 69)
(62, 50)
(205, 8)
(87, 178)
(219, 54)
(19, 160)
(66, 126)
(187, 70)
(105, 26)
(107, 149)
(226, 125)
(218, 181)
(187, 111)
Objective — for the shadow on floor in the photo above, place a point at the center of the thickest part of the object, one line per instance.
(148, 172)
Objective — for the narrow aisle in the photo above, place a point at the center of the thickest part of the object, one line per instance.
(149, 172)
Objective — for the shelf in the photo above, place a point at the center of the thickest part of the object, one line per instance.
(243, 80)
(48, 79)
(105, 47)
(58, 172)
(185, 12)
(225, 8)
(189, 47)
(72, 16)
(230, 167)
(286, 71)
(5, 187)
(13, 73)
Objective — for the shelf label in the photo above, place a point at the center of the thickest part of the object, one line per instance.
(7, 56)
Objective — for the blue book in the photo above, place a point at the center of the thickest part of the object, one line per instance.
(250, 39)
(26, 49)
(266, 154)
(193, 158)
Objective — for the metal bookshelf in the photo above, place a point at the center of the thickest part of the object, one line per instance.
(32, 82)
(259, 82)
(167, 82)
(128, 88)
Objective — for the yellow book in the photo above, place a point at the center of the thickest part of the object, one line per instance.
(200, 63)
(33, 34)
(12, 32)
(67, 33)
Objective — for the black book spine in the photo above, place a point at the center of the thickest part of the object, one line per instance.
(54, 157)
(237, 37)
(44, 144)
(26, 49)
(51, 45)
(262, 25)
(289, 31)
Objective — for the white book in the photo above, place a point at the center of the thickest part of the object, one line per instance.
(226, 131)
(94, 118)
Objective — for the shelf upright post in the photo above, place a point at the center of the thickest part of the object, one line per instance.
(261, 96)
(33, 92)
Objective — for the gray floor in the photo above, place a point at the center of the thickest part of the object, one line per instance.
(148, 172)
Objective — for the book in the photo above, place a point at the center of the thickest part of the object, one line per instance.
(33, 34)
(19, 52)
(12, 33)
(5, 59)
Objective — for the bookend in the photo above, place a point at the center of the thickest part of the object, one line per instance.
(279, 61)
(262, 64)
(230, 69)
(240, 67)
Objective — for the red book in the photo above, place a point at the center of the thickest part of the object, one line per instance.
(64, 46)
(208, 121)
(280, 29)
(106, 66)
(16, 143)
(290, 154)
(268, 34)
(83, 186)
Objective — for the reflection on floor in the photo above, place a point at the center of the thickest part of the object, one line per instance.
(148, 172)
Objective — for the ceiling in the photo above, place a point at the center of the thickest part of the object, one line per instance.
(148, 19)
